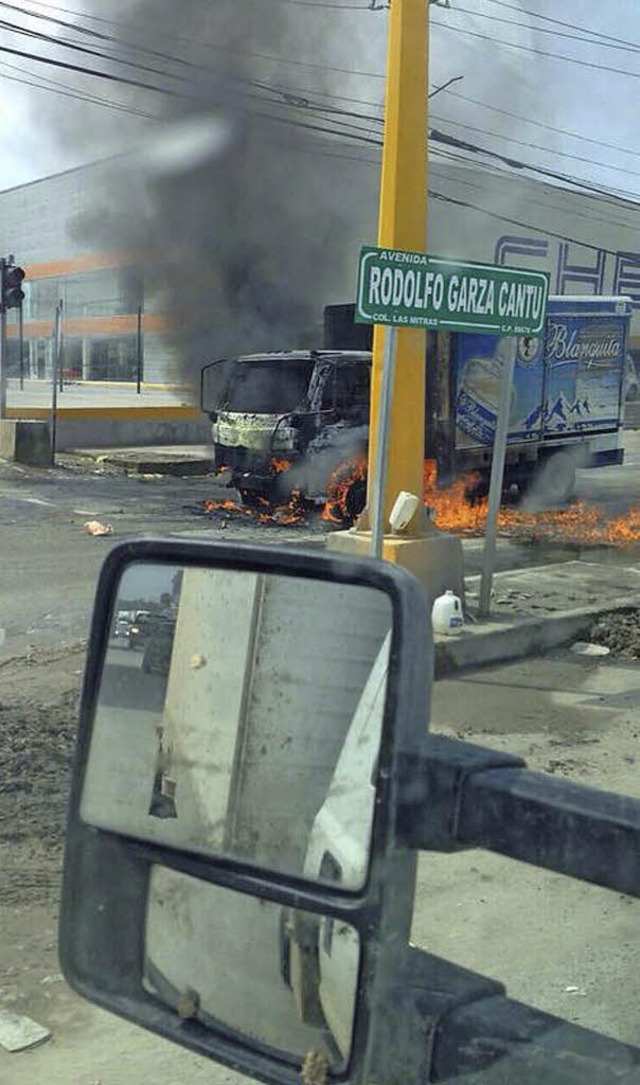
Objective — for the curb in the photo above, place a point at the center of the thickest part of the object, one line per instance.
(517, 640)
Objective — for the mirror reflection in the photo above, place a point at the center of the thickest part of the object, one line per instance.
(240, 714)
(286, 979)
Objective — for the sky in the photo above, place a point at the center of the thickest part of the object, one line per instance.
(575, 115)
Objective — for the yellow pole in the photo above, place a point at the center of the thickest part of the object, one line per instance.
(403, 225)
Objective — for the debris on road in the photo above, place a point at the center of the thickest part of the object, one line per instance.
(620, 632)
(94, 527)
(18, 1033)
(583, 648)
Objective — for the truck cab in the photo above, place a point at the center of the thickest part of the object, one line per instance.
(287, 421)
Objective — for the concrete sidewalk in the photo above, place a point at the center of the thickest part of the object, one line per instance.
(153, 460)
(536, 609)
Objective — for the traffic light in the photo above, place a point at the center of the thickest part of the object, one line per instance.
(12, 292)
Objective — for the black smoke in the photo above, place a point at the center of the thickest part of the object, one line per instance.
(243, 242)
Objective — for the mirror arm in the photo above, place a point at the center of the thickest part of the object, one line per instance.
(433, 780)
(444, 1021)
(455, 795)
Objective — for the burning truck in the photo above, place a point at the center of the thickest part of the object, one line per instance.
(297, 421)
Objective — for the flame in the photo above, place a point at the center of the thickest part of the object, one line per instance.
(290, 512)
(279, 465)
(577, 524)
(346, 473)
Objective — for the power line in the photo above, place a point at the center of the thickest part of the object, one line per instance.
(68, 92)
(305, 64)
(571, 26)
(536, 146)
(347, 129)
(290, 61)
(547, 30)
(49, 39)
(542, 124)
(539, 52)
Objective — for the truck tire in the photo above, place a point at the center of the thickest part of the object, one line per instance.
(356, 499)
(253, 499)
(554, 482)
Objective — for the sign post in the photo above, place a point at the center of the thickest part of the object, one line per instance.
(495, 485)
(382, 444)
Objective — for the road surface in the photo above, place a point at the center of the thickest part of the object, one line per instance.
(568, 948)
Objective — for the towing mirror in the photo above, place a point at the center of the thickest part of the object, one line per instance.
(231, 874)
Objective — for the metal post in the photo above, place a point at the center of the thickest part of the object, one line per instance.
(382, 443)
(3, 345)
(55, 348)
(139, 351)
(21, 347)
(497, 476)
(59, 348)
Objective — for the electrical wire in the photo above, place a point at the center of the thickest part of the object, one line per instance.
(546, 30)
(592, 65)
(65, 91)
(535, 146)
(541, 124)
(571, 26)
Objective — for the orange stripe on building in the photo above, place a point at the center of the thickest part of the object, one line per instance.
(157, 413)
(76, 265)
(123, 324)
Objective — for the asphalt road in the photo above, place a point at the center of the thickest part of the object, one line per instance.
(49, 566)
(562, 946)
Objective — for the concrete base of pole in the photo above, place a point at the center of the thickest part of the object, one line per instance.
(24, 441)
(435, 558)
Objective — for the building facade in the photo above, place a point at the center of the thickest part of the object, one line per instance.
(109, 330)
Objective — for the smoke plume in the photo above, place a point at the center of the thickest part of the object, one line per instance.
(245, 220)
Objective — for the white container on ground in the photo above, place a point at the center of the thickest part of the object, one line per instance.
(446, 615)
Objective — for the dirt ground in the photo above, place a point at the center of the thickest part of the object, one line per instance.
(37, 723)
(38, 697)
(563, 946)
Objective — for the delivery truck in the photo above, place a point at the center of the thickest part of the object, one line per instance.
(299, 420)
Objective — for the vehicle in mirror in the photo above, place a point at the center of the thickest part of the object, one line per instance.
(249, 726)
(284, 1000)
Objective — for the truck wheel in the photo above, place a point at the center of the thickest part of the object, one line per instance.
(356, 499)
(554, 482)
(252, 499)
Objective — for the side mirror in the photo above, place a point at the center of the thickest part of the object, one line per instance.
(232, 880)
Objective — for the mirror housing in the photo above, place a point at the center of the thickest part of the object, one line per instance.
(114, 876)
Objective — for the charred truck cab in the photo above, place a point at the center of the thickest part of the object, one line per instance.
(287, 421)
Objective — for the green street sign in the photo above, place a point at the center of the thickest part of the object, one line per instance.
(413, 290)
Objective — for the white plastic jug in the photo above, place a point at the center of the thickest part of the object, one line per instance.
(446, 615)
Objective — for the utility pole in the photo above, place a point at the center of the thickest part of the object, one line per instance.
(402, 224)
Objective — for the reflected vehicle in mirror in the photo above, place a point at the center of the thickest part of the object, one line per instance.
(243, 992)
(158, 645)
(139, 630)
(120, 633)
(243, 711)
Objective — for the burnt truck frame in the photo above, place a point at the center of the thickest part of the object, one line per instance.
(328, 424)
(271, 452)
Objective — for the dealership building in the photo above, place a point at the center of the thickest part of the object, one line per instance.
(108, 326)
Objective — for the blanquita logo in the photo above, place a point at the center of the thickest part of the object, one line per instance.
(590, 345)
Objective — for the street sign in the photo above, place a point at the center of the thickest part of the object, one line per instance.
(414, 290)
